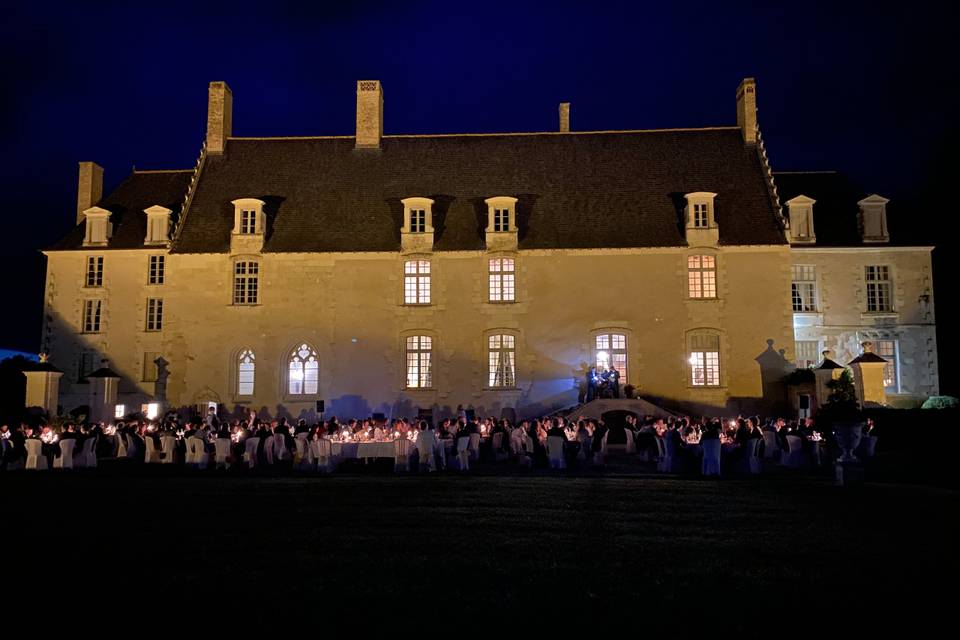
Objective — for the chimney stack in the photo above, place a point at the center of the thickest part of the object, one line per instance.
(564, 117)
(369, 114)
(89, 187)
(747, 110)
(219, 116)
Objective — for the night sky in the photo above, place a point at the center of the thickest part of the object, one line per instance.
(851, 87)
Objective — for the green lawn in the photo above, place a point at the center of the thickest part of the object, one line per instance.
(651, 552)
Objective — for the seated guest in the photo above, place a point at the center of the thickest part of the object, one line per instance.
(556, 429)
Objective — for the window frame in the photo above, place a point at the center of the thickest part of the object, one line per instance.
(492, 369)
(611, 350)
(238, 363)
(700, 270)
(878, 285)
(797, 278)
(893, 362)
(414, 281)
(425, 381)
(247, 277)
(156, 269)
(149, 362)
(291, 354)
(94, 326)
(501, 276)
(94, 272)
(154, 321)
(694, 350)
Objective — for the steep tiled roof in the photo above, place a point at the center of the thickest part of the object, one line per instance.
(140, 190)
(580, 190)
(835, 214)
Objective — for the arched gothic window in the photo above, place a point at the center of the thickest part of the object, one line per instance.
(246, 368)
(303, 371)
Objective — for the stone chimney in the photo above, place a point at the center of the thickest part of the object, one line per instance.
(219, 116)
(564, 117)
(369, 114)
(89, 187)
(747, 110)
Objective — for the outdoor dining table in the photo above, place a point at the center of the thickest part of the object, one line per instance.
(385, 449)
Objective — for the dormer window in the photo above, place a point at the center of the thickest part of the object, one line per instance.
(700, 210)
(800, 212)
(873, 219)
(249, 218)
(98, 229)
(700, 219)
(158, 225)
(417, 215)
(501, 214)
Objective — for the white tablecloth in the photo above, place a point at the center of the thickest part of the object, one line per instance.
(343, 450)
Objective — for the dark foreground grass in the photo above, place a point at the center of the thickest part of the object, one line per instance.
(486, 553)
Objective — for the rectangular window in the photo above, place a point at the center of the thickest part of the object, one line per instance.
(702, 276)
(418, 220)
(150, 366)
(246, 282)
(91, 316)
(94, 271)
(419, 370)
(155, 268)
(808, 353)
(804, 288)
(501, 220)
(248, 221)
(502, 278)
(88, 362)
(878, 289)
(611, 351)
(416, 282)
(887, 349)
(154, 314)
(502, 360)
(700, 215)
(705, 361)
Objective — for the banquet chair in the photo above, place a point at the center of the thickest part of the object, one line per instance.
(661, 450)
(35, 459)
(496, 445)
(302, 459)
(526, 459)
(401, 454)
(516, 444)
(710, 465)
(463, 452)
(474, 446)
(189, 455)
(89, 452)
(250, 447)
(169, 444)
(868, 448)
(121, 451)
(754, 464)
(586, 445)
(221, 447)
(555, 452)
(268, 450)
(197, 452)
(132, 446)
(322, 452)
(668, 462)
(426, 447)
(600, 456)
(631, 445)
(794, 457)
(280, 451)
(65, 461)
(771, 448)
(153, 454)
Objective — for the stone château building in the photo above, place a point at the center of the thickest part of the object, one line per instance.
(386, 273)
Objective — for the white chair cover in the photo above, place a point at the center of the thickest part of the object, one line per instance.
(268, 450)
(794, 457)
(250, 447)
(710, 466)
(669, 452)
(753, 456)
(169, 444)
(631, 445)
(280, 451)
(426, 446)
(90, 452)
(197, 452)
(600, 456)
(555, 452)
(322, 451)
(221, 448)
(152, 454)
(302, 459)
(35, 458)
(474, 446)
(770, 445)
(121, 446)
(401, 454)
(463, 452)
(132, 445)
(65, 461)
(516, 442)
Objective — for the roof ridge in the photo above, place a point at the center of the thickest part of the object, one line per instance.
(492, 134)
(819, 171)
(162, 170)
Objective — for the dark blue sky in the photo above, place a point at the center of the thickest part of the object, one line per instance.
(853, 86)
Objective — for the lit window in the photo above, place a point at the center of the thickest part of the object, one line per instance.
(804, 288)
(416, 282)
(248, 221)
(611, 350)
(705, 361)
(150, 366)
(878, 288)
(418, 220)
(154, 314)
(303, 371)
(246, 368)
(702, 276)
(246, 282)
(700, 218)
(502, 360)
(502, 280)
(94, 271)
(808, 353)
(91, 316)
(119, 411)
(887, 349)
(419, 362)
(155, 267)
(151, 410)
